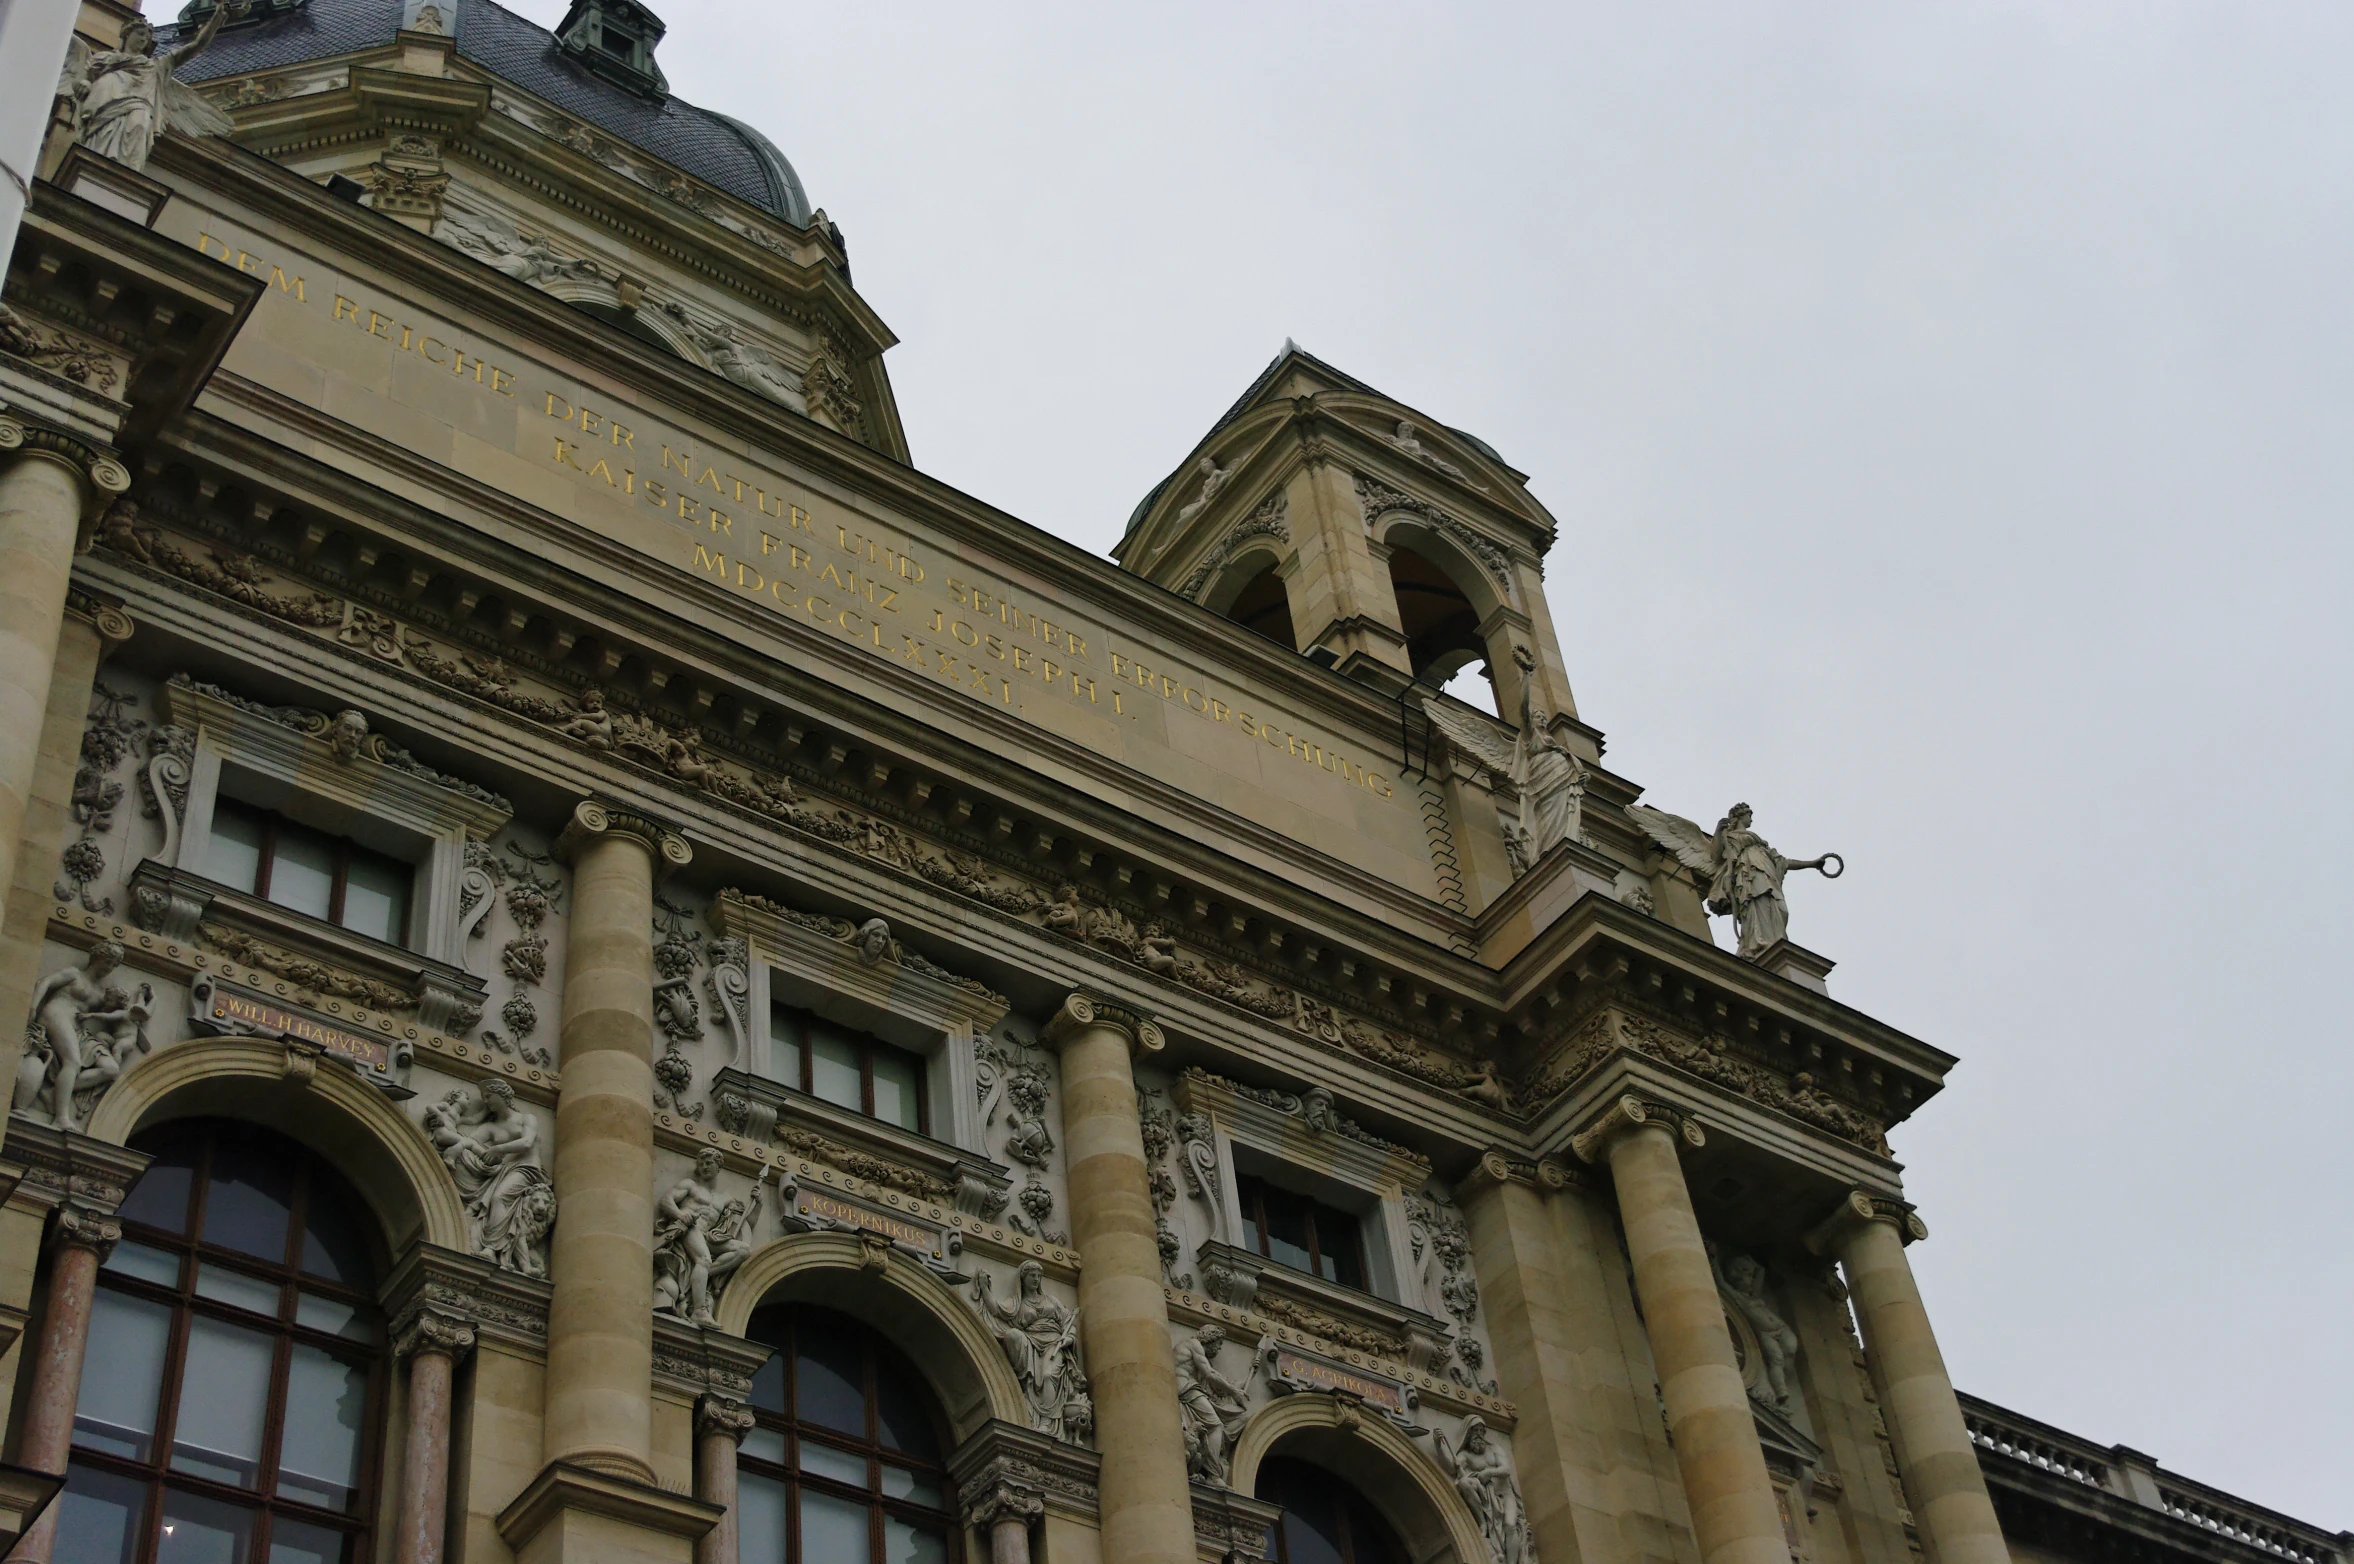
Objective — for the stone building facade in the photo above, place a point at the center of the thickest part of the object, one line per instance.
(614, 973)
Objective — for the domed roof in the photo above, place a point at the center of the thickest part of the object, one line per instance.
(724, 153)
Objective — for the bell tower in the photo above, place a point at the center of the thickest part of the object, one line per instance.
(1362, 534)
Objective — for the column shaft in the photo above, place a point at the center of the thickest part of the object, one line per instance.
(425, 1460)
(1009, 1540)
(1933, 1451)
(47, 1437)
(1734, 1516)
(40, 511)
(715, 1483)
(601, 1265)
(1123, 1315)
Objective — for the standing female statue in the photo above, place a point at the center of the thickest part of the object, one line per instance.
(123, 98)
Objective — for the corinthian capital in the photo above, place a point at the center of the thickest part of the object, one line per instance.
(722, 1415)
(1085, 1013)
(594, 820)
(1004, 1500)
(1624, 1117)
(432, 1330)
(79, 1227)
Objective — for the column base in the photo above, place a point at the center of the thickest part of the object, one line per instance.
(572, 1515)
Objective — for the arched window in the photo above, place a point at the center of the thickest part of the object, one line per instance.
(1263, 607)
(232, 1397)
(843, 1465)
(1441, 625)
(1325, 1521)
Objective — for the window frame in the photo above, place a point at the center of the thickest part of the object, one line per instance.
(344, 850)
(868, 1045)
(261, 1504)
(1251, 1194)
(780, 1327)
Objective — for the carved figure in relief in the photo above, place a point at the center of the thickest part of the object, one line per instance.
(491, 1148)
(1409, 440)
(64, 1003)
(872, 941)
(699, 1239)
(592, 724)
(1743, 871)
(737, 360)
(1549, 779)
(1158, 952)
(1040, 1340)
(500, 245)
(1484, 1477)
(1744, 1281)
(1213, 478)
(1214, 1407)
(1027, 1141)
(122, 98)
(1487, 1087)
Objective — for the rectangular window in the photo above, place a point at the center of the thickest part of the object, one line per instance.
(846, 1068)
(310, 872)
(1303, 1233)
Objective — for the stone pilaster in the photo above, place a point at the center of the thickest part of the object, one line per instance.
(1123, 1314)
(1942, 1478)
(79, 1243)
(431, 1342)
(1735, 1517)
(601, 1264)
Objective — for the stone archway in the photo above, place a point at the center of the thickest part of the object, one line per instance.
(1399, 1478)
(912, 1308)
(319, 1103)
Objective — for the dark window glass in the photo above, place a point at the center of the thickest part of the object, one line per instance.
(1305, 1234)
(846, 1068)
(855, 1477)
(1325, 1521)
(310, 872)
(231, 1406)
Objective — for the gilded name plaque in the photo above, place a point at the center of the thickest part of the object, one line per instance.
(225, 1009)
(1292, 1369)
(824, 1209)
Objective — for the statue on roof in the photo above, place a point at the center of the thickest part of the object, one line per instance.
(121, 99)
(1550, 781)
(1743, 872)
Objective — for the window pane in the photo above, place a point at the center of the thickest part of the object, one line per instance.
(160, 1198)
(223, 1392)
(760, 1520)
(237, 1291)
(899, 1087)
(334, 1242)
(764, 1444)
(843, 1466)
(376, 896)
(202, 1531)
(915, 1487)
(235, 856)
(302, 870)
(900, 1413)
(784, 1045)
(116, 1412)
(1287, 1229)
(833, 1068)
(906, 1543)
(342, 1319)
(246, 1201)
(319, 1457)
(300, 1542)
(149, 1265)
(768, 1386)
(833, 1531)
(829, 1383)
(98, 1517)
(1337, 1241)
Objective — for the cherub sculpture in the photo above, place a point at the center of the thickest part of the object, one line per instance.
(1744, 874)
(121, 99)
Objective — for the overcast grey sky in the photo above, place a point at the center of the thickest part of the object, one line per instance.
(1947, 413)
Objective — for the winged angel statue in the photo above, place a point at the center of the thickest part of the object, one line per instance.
(1744, 874)
(123, 98)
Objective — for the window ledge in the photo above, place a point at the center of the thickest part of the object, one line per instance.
(770, 1112)
(314, 955)
(1341, 1315)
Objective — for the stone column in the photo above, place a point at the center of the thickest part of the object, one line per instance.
(1942, 1479)
(79, 1245)
(720, 1426)
(1735, 1519)
(601, 1264)
(1005, 1513)
(1123, 1314)
(48, 483)
(432, 1342)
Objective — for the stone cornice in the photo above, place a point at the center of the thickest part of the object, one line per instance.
(498, 1306)
(61, 1167)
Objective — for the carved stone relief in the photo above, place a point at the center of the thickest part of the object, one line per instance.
(533, 889)
(1482, 1473)
(492, 1149)
(1213, 1406)
(85, 1030)
(1039, 1336)
(1013, 1083)
(106, 743)
(700, 1239)
(1269, 520)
